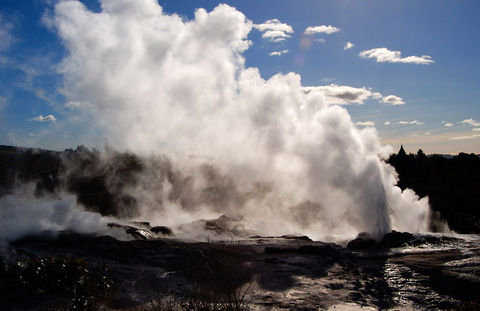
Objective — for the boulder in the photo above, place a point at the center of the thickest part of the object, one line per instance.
(361, 242)
(162, 230)
(396, 239)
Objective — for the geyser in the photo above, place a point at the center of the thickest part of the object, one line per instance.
(268, 150)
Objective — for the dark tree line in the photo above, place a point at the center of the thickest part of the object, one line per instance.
(98, 184)
(452, 184)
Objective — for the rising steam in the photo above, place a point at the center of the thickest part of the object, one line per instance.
(269, 151)
(22, 214)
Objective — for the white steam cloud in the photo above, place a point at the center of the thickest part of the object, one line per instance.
(365, 123)
(22, 213)
(155, 83)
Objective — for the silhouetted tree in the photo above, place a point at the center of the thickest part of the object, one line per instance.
(451, 183)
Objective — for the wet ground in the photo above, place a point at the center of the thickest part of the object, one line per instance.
(288, 273)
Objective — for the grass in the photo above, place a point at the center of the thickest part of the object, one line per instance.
(60, 283)
(54, 283)
(193, 304)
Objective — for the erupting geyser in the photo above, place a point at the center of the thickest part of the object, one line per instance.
(280, 157)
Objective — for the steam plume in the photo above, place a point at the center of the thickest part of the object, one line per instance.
(22, 214)
(277, 155)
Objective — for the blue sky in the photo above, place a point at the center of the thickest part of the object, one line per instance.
(440, 114)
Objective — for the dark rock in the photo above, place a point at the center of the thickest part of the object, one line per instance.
(140, 234)
(115, 225)
(396, 239)
(286, 237)
(296, 237)
(142, 224)
(223, 225)
(324, 250)
(362, 241)
(279, 250)
(162, 230)
(335, 286)
(137, 233)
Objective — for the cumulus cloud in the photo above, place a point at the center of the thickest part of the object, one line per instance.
(387, 123)
(384, 55)
(393, 100)
(447, 124)
(413, 122)
(155, 83)
(311, 30)
(470, 122)
(274, 30)
(278, 53)
(348, 45)
(365, 123)
(346, 95)
(342, 94)
(466, 137)
(42, 118)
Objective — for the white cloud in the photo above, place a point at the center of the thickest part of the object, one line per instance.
(477, 129)
(348, 45)
(321, 29)
(471, 122)
(365, 123)
(278, 53)
(448, 124)
(155, 83)
(275, 35)
(346, 95)
(343, 94)
(274, 24)
(47, 118)
(320, 40)
(393, 100)
(466, 137)
(414, 122)
(387, 123)
(274, 30)
(384, 55)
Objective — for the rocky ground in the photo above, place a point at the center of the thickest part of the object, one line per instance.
(87, 272)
